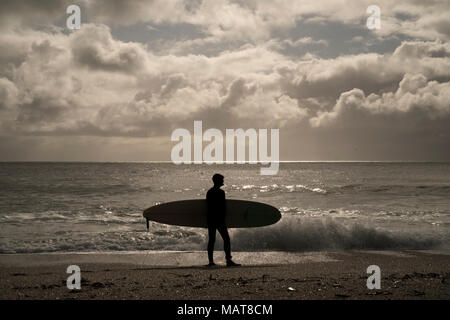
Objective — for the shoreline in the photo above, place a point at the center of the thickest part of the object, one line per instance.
(158, 258)
(264, 275)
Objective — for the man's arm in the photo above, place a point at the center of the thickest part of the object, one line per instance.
(224, 201)
(208, 201)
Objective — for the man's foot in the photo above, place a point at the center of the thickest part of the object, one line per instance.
(230, 263)
(211, 264)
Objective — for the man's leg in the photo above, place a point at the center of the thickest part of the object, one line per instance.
(211, 241)
(226, 241)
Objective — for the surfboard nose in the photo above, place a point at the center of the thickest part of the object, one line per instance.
(146, 212)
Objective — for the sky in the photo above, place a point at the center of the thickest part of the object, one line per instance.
(116, 89)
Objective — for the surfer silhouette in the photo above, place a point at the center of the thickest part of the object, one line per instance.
(215, 199)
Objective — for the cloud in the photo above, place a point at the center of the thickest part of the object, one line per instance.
(326, 79)
(89, 83)
(231, 20)
(110, 87)
(15, 13)
(94, 47)
(421, 49)
(415, 97)
(305, 41)
(8, 94)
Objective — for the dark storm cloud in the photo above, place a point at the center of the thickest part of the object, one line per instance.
(26, 12)
(330, 78)
(40, 111)
(238, 90)
(94, 48)
(87, 83)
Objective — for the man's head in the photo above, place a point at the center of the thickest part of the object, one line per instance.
(218, 180)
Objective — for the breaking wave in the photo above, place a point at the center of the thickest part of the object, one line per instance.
(300, 234)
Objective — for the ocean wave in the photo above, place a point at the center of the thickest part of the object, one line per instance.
(292, 233)
(348, 188)
(174, 239)
(411, 190)
(105, 215)
(300, 234)
(278, 188)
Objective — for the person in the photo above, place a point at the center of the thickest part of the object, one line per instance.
(216, 213)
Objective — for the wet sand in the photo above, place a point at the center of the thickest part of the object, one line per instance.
(268, 275)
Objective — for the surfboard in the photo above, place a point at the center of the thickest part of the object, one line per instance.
(192, 213)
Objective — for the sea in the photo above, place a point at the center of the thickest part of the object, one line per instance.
(91, 207)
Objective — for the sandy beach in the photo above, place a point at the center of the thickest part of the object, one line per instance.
(267, 275)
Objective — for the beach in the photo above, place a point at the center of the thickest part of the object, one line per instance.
(307, 140)
(337, 220)
(264, 275)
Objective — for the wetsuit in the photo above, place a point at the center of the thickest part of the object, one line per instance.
(215, 198)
